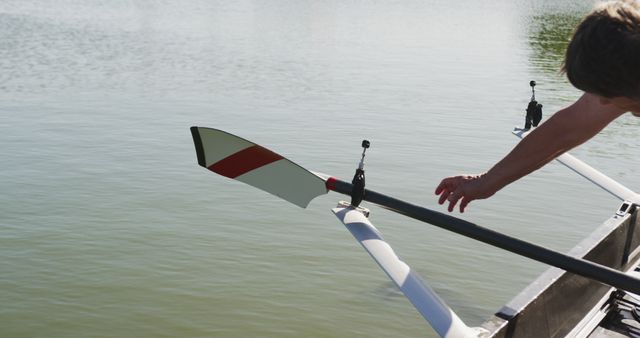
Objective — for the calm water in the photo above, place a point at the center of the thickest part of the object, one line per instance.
(108, 228)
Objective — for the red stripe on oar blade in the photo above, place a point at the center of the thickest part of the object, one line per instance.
(244, 161)
(331, 183)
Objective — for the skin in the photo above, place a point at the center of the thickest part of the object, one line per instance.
(566, 129)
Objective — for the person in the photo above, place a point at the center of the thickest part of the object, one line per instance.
(603, 60)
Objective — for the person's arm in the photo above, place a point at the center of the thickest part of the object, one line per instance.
(566, 129)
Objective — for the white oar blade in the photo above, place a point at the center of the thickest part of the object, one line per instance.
(242, 160)
(603, 181)
(443, 320)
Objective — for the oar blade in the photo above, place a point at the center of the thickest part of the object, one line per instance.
(245, 161)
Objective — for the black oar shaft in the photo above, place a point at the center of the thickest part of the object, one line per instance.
(568, 263)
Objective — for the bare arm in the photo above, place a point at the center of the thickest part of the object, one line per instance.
(566, 129)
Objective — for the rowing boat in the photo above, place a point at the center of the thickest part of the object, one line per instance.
(589, 292)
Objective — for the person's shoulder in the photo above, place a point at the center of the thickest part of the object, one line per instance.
(596, 106)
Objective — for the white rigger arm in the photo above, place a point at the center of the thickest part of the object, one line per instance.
(596, 177)
(440, 316)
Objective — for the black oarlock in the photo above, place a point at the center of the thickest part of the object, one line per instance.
(357, 192)
(534, 109)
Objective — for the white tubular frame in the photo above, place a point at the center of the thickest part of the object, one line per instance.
(596, 177)
(443, 320)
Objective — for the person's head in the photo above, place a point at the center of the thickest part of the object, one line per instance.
(603, 57)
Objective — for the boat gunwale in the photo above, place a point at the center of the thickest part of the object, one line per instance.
(542, 309)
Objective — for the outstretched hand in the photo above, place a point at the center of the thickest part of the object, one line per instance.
(463, 188)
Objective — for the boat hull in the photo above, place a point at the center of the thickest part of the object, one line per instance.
(562, 304)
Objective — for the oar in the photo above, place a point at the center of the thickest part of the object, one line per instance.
(235, 157)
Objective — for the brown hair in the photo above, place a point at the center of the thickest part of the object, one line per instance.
(603, 56)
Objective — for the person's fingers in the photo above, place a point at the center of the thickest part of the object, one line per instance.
(440, 187)
(452, 205)
(444, 189)
(444, 185)
(444, 196)
(463, 203)
(453, 199)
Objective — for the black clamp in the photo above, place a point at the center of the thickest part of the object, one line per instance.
(357, 192)
(534, 110)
